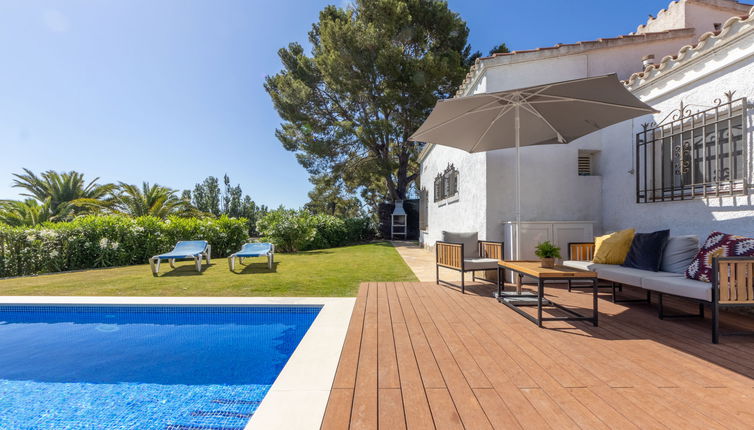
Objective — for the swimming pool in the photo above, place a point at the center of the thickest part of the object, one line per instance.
(145, 367)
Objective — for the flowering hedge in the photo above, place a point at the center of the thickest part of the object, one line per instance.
(106, 241)
(291, 230)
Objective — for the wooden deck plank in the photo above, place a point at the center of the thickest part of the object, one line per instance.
(338, 412)
(499, 414)
(443, 410)
(345, 376)
(430, 372)
(391, 415)
(421, 356)
(418, 415)
(468, 407)
(364, 413)
(387, 364)
(566, 404)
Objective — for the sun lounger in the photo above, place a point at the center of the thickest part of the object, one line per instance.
(253, 250)
(183, 250)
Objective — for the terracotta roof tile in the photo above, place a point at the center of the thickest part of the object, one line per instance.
(706, 40)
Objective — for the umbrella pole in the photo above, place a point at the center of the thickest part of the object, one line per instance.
(517, 242)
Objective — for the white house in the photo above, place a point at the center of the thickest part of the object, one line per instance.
(703, 48)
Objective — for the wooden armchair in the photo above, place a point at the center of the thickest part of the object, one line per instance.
(732, 285)
(450, 255)
(581, 251)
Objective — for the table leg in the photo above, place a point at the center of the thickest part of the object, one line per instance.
(595, 311)
(519, 283)
(500, 274)
(539, 301)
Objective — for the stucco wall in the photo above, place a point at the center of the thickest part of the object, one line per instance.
(469, 212)
(698, 82)
(551, 189)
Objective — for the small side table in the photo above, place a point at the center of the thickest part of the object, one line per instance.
(559, 273)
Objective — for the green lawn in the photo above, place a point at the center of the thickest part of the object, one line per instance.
(327, 272)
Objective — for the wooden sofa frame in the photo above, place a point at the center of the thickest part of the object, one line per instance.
(732, 285)
(450, 256)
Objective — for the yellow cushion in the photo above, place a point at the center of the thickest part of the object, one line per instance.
(612, 248)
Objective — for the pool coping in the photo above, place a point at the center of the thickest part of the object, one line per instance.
(298, 397)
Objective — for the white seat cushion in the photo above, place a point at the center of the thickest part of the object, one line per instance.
(479, 263)
(629, 275)
(679, 286)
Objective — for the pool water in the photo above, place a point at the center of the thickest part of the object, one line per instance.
(142, 367)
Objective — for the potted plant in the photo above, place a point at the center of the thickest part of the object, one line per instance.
(548, 253)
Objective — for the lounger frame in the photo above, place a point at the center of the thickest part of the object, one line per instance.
(154, 262)
(270, 258)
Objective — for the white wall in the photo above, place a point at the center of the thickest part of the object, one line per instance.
(692, 14)
(551, 189)
(697, 82)
(469, 212)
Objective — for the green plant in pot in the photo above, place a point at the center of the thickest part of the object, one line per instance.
(548, 253)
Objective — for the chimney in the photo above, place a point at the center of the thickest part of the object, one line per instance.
(718, 26)
(648, 60)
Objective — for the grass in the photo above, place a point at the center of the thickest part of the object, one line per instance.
(321, 273)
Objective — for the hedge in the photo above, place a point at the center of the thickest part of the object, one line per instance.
(292, 230)
(107, 241)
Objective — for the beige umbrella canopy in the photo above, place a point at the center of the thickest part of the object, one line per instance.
(558, 112)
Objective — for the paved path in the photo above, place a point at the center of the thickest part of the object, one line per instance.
(422, 262)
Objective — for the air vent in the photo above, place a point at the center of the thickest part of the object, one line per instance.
(585, 165)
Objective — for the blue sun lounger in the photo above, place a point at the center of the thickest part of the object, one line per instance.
(253, 250)
(183, 250)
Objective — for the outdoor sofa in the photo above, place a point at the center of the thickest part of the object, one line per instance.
(732, 279)
(463, 252)
(184, 250)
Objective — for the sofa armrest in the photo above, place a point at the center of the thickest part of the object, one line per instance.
(733, 280)
(581, 251)
(449, 254)
(490, 249)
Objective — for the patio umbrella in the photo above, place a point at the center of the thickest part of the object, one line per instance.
(558, 112)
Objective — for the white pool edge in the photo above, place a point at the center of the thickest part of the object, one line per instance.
(298, 397)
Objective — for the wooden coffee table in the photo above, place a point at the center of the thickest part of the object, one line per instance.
(559, 273)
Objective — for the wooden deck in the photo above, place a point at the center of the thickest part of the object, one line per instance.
(423, 356)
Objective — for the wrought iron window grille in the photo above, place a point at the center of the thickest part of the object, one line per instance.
(446, 184)
(691, 155)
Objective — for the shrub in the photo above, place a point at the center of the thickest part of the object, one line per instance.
(288, 229)
(293, 231)
(106, 241)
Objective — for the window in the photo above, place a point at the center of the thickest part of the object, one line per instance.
(446, 184)
(439, 188)
(693, 155)
(423, 209)
(450, 178)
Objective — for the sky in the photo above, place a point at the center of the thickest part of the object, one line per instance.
(171, 91)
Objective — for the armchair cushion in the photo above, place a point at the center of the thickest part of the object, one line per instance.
(679, 253)
(479, 263)
(470, 242)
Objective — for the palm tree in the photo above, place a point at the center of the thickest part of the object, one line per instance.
(154, 200)
(63, 192)
(24, 214)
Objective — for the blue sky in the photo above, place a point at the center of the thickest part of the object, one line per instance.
(170, 91)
